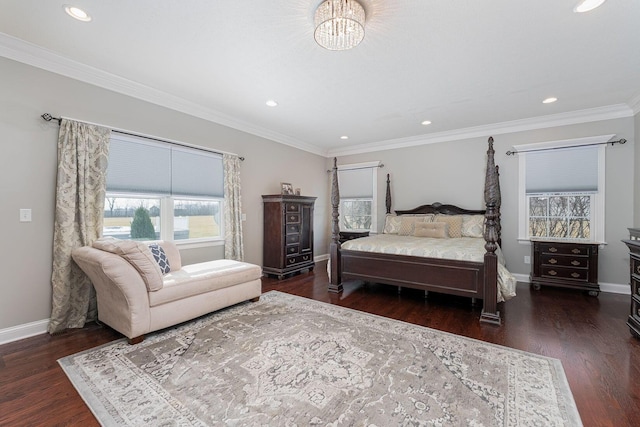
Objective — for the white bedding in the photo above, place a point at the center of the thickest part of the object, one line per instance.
(464, 248)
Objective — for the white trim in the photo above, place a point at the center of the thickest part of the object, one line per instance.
(598, 225)
(362, 165)
(39, 57)
(572, 117)
(323, 257)
(615, 288)
(524, 278)
(36, 56)
(609, 288)
(564, 143)
(18, 332)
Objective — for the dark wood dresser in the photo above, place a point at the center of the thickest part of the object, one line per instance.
(565, 264)
(633, 244)
(288, 234)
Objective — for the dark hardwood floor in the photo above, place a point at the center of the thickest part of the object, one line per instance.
(600, 357)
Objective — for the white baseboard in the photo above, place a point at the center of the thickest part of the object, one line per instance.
(27, 330)
(321, 257)
(611, 288)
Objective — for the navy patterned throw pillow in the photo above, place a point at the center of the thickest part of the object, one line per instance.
(161, 258)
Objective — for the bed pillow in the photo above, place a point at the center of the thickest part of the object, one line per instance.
(454, 222)
(438, 230)
(408, 222)
(391, 224)
(472, 225)
(139, 256)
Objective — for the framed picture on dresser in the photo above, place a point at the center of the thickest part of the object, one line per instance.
(287, 188)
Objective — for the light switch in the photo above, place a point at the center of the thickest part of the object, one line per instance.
(244, 217)
(25, 215)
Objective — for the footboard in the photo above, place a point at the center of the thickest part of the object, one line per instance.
(452, 277)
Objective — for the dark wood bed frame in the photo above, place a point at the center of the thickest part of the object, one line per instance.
(471, 279)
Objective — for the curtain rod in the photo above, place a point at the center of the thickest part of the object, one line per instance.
(48, 117)
(620, 141)
(381, 165)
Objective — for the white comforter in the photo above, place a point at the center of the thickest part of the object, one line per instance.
(464, 248)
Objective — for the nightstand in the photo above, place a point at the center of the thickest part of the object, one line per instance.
(567, 264)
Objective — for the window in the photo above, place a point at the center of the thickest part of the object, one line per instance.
(163, 191)
(358, 188)
(561, 189)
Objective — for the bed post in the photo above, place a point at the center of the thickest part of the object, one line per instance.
(490, 313)
(335, 282)
(388, 199)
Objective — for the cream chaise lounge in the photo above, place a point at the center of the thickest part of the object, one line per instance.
(135, 297)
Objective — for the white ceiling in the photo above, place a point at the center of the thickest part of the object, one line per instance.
(472, 67)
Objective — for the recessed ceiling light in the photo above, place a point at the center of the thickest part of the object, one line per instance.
(550, 100)
(587, 5)
(344, 137)
(271, 103)
(77, 13)
(426, 123)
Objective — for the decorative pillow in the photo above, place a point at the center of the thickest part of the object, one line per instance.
(438, 230)
(391, 224)
(161, 258)
(407, 225)
(472, 225)
(139, 256)
(455, 224)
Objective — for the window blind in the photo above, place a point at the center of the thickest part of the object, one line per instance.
(563, 170)
(137, 165)
(356, 183)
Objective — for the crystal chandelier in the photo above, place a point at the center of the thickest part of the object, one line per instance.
(339, 24)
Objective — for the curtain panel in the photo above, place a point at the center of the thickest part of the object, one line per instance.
(83, 152)
(233, 242)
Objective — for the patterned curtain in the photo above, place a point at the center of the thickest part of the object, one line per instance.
(83, 152)
(233, 245)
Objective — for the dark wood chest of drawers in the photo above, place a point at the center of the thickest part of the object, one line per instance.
(565, 264)
(288, 234)
(634, 279)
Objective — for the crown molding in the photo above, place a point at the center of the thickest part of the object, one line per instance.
(36, 56)
(573, 117)
(39, 57)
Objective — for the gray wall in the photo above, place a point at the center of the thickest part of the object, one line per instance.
(28, 172)
(453, 172)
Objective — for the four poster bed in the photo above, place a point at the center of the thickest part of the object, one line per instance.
(437, 247)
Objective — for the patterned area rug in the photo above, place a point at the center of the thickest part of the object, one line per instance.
(291, 361)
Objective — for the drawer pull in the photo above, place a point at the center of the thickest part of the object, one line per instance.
(638, 269)
(574, 262)
(553, 261)
(292, 260)
(552, 249)
(553, 272)
(575, 275)
(575, 250)
(305, 258)
(292, 218)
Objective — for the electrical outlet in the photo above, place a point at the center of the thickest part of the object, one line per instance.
(25, 215)
(527, 259)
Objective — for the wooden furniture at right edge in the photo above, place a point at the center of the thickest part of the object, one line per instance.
(472, 279)
(633, 321)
